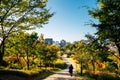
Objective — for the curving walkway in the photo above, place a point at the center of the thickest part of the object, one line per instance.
(64, 74)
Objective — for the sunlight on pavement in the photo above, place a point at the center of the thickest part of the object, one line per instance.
(64, 74)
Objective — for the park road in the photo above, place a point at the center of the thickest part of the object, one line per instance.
(64, 74)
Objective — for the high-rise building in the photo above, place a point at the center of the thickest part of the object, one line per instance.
(62, 43)
(49, 41)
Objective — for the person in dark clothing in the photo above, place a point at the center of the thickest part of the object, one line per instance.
(71, 70)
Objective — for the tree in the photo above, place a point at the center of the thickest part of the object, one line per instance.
(20, 15)
(22, 45)
(108, 15)
(17, 46)
(69, 49)
(100, 52)
(30, 49)
(81, 56)
(99, 48)
(51, 54)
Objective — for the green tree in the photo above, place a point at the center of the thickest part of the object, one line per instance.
(99, 47)
(30, 49)
(18, 15)
(50, 54)
(69, 49)
(100, 51)
(81, 56)
(108, 14)
(22, 45)
(17, 46)
(92, 49)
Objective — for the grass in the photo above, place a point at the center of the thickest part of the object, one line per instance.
(34, 74)
(99, 76)
(24, 74)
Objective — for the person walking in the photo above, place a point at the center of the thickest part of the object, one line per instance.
(71, 70)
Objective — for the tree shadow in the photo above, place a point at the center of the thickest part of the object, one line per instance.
(65, 74)
(64, 79)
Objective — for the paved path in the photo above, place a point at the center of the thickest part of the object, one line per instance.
(64, 74)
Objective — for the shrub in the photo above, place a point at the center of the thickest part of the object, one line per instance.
(112, 66)
(4, 63)
(60, 64)
(103, 76)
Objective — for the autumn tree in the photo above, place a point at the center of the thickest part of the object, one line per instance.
(20, 15)
(17, 47)
(69, 49)
(51, 54)
(80, 55)
(30, 47)
(22, 45)
(99, 51)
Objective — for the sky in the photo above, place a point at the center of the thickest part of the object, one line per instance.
(69, 21)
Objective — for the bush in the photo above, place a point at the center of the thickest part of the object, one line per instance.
(4, 63)
(26, 74)
(103, 76)
(112, 66)
(60, 64)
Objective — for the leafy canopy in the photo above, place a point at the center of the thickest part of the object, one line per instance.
(17, 15)
(108, 14)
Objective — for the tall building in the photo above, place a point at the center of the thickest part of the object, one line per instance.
(62, 43)
(49, 41)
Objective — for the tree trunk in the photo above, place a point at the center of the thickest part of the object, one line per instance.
(2, 51)
(1, 57)
(118, 46)
(81, 69)
(87, 66)
(27, 61)
(93, 65)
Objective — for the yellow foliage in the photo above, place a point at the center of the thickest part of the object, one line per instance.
(101, 5)
(59, 61)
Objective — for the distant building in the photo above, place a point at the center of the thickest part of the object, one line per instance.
(49, 41)
(62, 43)
(56, 42)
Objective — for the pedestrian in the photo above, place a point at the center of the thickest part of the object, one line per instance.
(71, 70)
